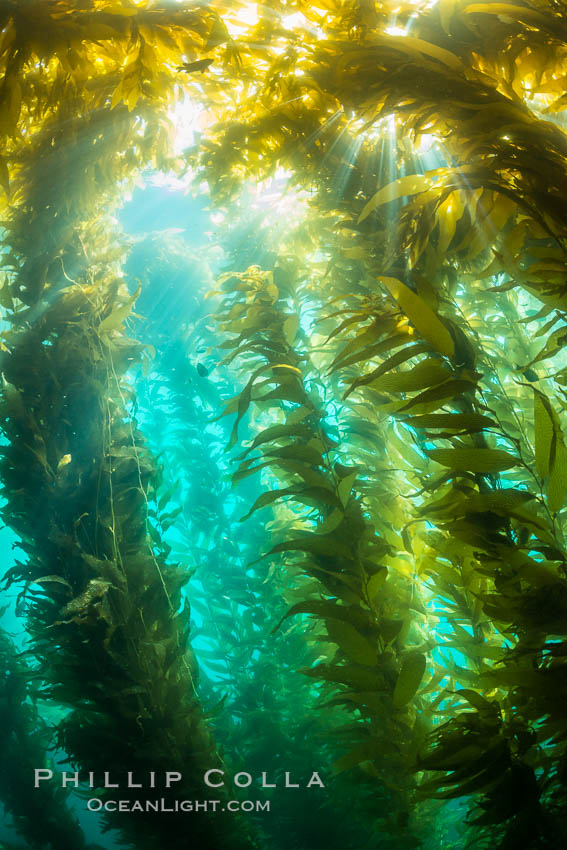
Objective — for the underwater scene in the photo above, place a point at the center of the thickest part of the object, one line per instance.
(283, 425)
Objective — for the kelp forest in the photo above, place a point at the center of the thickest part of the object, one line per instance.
(283, 407)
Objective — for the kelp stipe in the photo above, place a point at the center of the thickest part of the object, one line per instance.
(372, 670)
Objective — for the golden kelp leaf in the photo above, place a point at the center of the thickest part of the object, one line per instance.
(438, 394)
(411, 44)
(498, 501)
(448, 215)
(428, 373)
(290, 328)
(320, 608)
(276, 432)
(543, 428)
(420, 314)
(317, 494)
(395, 360)
(355, 645)
(411, 184)
(557, 486)
(474, 460)
(4, 176)
(470, 422)
(409, 679)
(509, 12)
(315, 545)
(113, 322)
(345, 486)
(374, 586)
(550, 450)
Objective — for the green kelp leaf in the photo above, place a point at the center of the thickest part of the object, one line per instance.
(349, 639)
(393, 361)
(320, 607)
(550, 450)
(420, 314)
(425, 374)
(411, 184)
(481, 782)
(438, 395)
(297, 451)
(375, 583)
(498, 501)
(54, 579)
(319, 495)
(361, 678)
(364, 752)
(345, 486)
(316, 545)
(487, 461)
(117, 317)
(334, 519)
(557, 486)
(290, 328)
(478, 701)
(276, 432)
(451, 758)
(409, 679)
(543, 428)
(469, 422)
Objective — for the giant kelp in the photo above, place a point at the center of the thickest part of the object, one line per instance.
(396, 395)
(480, 216)
(108, 627)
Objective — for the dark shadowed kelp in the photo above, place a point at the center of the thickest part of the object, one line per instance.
(402, 348)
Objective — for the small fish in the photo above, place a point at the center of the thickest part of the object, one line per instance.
(202, 370)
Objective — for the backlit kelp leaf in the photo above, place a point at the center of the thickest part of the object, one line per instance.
(403, 186)
(409, 678)
(509, 12)
(487, 461)
(290, 328)
(326, 609)
(437, 395)
(118, 316)
(557, 486)
(420, 314)
(375, 584)
(543, 432)
(345, 487)
(349, 639)
(297, 451)
(331, 547)
(469, 422)
(277, 432)
(478, 701)
(390, 363)
(504, 502)
(428, 373)
(550, 450)
(310, 495)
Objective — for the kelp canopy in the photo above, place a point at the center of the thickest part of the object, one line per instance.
(393, 371)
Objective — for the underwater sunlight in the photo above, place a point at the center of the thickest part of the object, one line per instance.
(283, 407)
